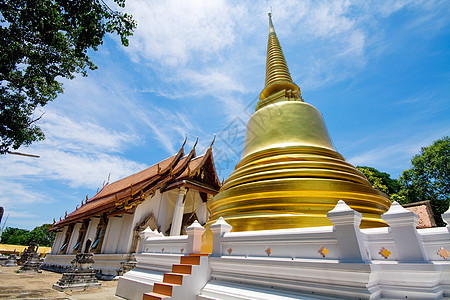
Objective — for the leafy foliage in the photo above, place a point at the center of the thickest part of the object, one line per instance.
(429, 177)
(40, 234)
(380, 180)
(43, 41)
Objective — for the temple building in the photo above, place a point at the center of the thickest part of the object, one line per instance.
(293, 221)
(166, 197)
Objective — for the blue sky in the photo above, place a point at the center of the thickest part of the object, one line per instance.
(378, 71)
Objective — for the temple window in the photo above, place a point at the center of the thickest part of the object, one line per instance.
(63, 248)
(100, 235)
(97, 238)
(81, 235)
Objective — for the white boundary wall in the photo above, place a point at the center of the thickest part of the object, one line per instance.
(333, 262)
(395, 262)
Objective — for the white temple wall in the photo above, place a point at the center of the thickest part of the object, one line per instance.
(106, 235)
(73, 238)
(59, 239)
(91, 231)
(189, 201)
(112, 235)
(124, 244)
(166, 209)
(195, 203)
(202, 211)
(434, 238)
(151, 204)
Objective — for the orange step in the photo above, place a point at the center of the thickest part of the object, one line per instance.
(174, 278)
(190, 260)
(154, 296)
(182, 269)
(163, 288)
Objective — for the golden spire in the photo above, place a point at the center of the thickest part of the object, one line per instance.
(278, 77)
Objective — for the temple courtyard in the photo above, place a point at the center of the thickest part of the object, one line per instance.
(39, 286)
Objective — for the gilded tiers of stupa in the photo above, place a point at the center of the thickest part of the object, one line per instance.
(290, 175)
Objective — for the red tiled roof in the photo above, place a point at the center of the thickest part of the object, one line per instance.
(174, 168)
(425, 214)
(134, 179)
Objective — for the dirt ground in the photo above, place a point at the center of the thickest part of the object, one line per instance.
(39, 286)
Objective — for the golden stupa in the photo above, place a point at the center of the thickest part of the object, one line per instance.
(290, 175)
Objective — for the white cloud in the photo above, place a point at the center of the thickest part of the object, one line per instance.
(77, 153)
(81, 135)
(393, 156)
(169, 128)
(213, 80)
(384, 154)
(172, 32)
(21, 214)
(16, 194)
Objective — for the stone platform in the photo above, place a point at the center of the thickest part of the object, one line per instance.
(77, 280)
(81, 276)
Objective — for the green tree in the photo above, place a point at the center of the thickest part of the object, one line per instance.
(15, 236)
(42, 41)
(429, 178)
(40, 234)
(380, 180)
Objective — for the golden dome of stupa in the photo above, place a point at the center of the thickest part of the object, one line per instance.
(290, 174)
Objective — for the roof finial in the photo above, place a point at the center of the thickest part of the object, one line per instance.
(214, 139)
(271, 28)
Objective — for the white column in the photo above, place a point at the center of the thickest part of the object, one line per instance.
(403, 224)
(73, 238)
(209, 198)
(58, 240)
(346, 227)
(194, 242)
(219, 229)
(178, 213)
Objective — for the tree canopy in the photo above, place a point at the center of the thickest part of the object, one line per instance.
(43, 41)
(40, 234)
(380, 180)
(429, 178)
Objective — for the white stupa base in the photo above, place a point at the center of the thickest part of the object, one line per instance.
(332, 262)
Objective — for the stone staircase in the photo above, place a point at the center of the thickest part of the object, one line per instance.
(184, 282)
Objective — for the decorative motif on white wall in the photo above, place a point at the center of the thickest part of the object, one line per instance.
(323, 251)
(384, 252)
(444, 253)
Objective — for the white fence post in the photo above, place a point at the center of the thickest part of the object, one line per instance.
(346, 226)
(219, 228)
(403, 224)
(194, 241)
